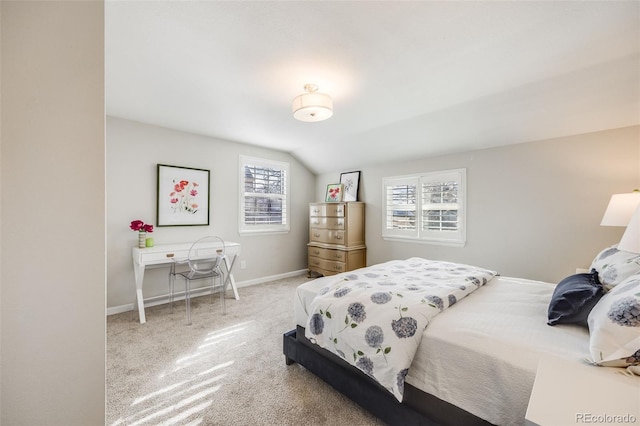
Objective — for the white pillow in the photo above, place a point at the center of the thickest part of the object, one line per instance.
(614, 326)
(614, 266)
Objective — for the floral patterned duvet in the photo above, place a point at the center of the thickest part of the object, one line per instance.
(374, 317)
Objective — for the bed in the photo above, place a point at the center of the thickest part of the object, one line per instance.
(476, 360)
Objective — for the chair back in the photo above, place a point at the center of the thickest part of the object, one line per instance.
(206, 255)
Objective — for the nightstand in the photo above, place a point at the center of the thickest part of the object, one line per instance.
(572, 393)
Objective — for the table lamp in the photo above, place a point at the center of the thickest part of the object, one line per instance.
(631, 238)
(620, 209)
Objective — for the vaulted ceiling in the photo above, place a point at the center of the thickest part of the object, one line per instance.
(408, 78)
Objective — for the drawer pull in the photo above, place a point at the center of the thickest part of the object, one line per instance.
(316, 252)
(338, 237)
(316, 235)
(170, 255)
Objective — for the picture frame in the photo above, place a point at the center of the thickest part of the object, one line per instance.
(351, 181)
(182, 197)
(334, 193)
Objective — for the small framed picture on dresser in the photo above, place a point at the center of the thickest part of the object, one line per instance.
(334, 193)
(350, 180)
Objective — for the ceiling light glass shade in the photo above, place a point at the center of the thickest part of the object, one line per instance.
(312, 106)
(620, 209)
(631, 238)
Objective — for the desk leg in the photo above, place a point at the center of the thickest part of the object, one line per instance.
(230, 279)
(138, 273)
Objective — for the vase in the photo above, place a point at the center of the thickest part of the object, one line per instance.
(142, 238)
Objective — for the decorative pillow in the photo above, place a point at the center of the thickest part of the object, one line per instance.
(573, 299)
(614, 266)
(614, 326)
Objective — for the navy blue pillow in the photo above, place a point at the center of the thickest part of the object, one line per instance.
(573, 299)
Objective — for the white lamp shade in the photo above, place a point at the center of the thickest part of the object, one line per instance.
(631, 238)
(620, 209)
(312, 107)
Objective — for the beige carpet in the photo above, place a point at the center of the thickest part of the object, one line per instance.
(222, 370)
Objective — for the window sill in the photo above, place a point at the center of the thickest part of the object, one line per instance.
(423, 241)
(263, 232)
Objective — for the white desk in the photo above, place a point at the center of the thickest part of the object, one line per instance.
(571, 393)
(167, 254)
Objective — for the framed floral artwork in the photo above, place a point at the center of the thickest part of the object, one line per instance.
(350, 180)
(183, 196)
(334, 193)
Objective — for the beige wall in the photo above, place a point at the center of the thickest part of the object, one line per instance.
(52, 274)
(534, 209)
(133, 152)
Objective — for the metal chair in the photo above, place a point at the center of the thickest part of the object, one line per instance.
(204, 260)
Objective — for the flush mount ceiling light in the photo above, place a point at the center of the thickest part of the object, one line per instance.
(312, 106)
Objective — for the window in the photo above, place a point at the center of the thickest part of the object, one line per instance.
(426, 207)
(264, 206)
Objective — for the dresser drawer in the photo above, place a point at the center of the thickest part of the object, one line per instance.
(326, 265)
(163, 256)
(327, 254)
(333, 210)
(328, 236)
(327, 222)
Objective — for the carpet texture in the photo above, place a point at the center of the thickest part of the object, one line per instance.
(222, 370)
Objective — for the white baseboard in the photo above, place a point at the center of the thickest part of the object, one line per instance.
(159, 300)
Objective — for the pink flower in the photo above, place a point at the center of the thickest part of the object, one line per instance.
(182, 197)
(140, 226)
(136, 225)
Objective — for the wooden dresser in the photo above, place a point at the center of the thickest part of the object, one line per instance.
(336, 237)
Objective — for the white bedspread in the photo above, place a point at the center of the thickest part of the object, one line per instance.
(374, 317)
(482, 354)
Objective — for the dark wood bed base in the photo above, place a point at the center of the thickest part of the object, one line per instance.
(417, 408)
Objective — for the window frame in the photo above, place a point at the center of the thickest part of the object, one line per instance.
(417, 234)
(249, 228)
